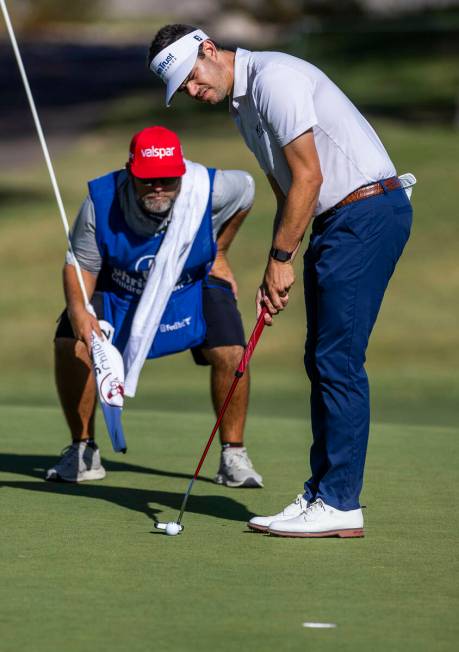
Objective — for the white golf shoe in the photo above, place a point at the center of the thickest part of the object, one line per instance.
(236, 469)
(262, 523)
(320, 520)
(79, 462)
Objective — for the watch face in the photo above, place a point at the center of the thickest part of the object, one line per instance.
(281, 256)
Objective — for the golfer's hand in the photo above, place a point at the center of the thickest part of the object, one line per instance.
(83, 323)
(221, 269)
(273, 292)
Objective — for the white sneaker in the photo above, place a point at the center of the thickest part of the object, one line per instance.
(296, 508)
(79, 462)
(320, 520)
(236, 469)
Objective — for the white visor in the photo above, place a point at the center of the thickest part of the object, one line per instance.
(174, 63)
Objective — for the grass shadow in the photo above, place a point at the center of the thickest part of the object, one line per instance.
(141, 500)
(36, 465)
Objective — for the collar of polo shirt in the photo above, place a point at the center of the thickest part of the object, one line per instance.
(240, 72)
(174, 63)
(241, 61)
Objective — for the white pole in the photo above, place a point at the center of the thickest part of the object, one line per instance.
(44, 147)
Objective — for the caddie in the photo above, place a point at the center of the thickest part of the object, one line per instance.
(327, 165)
(131, 219)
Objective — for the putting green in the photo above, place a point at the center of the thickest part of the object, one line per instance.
(82, 566)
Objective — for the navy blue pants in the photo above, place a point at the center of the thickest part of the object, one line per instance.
(347, 266)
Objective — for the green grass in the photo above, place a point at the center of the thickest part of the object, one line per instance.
(82, 566)
(413, 354)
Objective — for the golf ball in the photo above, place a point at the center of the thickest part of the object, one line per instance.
(172, 529)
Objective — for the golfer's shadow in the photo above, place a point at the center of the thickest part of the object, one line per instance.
(36, 465)
(144, 501)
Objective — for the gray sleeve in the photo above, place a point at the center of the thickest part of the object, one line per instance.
(234, 191)
(83, 239)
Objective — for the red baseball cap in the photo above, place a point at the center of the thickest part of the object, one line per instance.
(156, 152)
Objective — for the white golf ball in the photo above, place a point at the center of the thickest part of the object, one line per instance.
(172, 528)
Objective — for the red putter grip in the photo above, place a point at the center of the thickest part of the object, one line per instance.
(251, 344)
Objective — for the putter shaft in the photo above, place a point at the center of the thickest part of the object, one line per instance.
(251, 344)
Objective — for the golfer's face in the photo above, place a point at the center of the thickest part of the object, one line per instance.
(205, 82)
(157, 195)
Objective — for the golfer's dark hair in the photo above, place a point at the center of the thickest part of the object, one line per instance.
(171, 33)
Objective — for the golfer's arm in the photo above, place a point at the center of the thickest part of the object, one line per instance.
(73, 295)
(280, 198)
(301, 199)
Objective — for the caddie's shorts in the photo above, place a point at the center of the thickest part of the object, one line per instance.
(223, 319)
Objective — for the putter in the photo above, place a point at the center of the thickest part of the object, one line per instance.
(176, 526)
(107, 361)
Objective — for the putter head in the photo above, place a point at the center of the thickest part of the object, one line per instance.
(163, 526)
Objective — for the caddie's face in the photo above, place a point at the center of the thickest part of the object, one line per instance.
(157, 195)
(207, 81)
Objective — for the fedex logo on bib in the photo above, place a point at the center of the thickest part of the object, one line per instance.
(157, 152)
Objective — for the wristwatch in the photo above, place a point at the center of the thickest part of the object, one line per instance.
(280, 255)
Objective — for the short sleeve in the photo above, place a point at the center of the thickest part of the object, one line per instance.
(285, 99)
(83, 239)
(234, 191)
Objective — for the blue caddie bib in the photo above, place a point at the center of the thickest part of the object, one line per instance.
(127, 258)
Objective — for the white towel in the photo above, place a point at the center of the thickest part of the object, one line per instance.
(166, 269)
(408, 180)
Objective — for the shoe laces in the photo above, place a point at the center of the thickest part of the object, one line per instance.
(314, 507)
(238, 457)
(300, 500)
(69, 453)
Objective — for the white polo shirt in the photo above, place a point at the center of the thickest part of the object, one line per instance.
(277, 97)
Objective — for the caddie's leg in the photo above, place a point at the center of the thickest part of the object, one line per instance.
(236, 468)
(76, 386)
(222, 350)
(224, 361)
(77, 393)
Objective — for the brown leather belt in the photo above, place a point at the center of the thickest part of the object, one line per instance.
(378, 188)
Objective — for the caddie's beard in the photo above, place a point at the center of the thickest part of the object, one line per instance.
(156, 204)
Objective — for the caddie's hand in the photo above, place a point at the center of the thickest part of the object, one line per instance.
(83, 323)
(277, 281)
(221, 269)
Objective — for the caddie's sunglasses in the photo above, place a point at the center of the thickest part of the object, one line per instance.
(165, 182)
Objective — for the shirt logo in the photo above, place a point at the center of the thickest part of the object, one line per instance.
(259, 129)
(177, 325)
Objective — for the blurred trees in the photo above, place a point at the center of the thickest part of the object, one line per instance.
(41, 12)
(289, 11)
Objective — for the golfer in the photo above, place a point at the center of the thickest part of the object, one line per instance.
(325, 164)
(119, 230)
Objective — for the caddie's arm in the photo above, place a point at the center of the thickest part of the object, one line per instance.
(232, 198)
(221, 266)
(83, 322)
(291, 221)
(85, 249)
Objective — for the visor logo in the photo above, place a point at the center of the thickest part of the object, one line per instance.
(162, 67)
